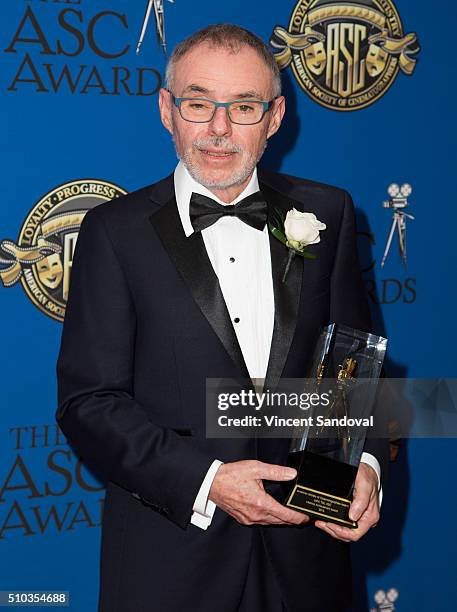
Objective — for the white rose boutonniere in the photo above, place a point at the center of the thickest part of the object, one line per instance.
(296, 231)
(301, 229)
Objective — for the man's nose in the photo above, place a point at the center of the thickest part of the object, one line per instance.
(220, 124)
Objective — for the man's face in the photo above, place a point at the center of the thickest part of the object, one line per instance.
(220, 154)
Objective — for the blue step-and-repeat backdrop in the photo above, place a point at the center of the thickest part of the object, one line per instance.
(370, 102)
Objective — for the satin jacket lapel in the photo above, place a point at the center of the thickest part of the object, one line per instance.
(192, 262)
(286, 294)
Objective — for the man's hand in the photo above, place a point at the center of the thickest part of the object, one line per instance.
(364, 507)
(237, 489)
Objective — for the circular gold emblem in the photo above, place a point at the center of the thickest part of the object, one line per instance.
(42, 256)
(345, 55)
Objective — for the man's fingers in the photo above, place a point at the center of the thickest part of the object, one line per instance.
(368, 520)
(358, 506)
(238, 489)
(286, 515)
(270, 471)
(273, 520)
(333, 531)
(363, 509)
(364, 490)
(345, 534)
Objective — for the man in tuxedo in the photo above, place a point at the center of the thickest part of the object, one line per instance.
(180, 281)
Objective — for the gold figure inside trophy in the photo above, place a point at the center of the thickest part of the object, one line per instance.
(339, 406)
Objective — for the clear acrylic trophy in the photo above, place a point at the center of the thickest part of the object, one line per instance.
(326, 453)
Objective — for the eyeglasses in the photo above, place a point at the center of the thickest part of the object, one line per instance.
(202, 110)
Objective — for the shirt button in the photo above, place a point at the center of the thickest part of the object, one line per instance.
(232, 259)
(237, 319)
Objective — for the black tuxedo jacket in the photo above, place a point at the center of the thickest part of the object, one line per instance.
(145, 325)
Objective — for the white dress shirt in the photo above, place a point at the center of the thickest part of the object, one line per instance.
(240, 256)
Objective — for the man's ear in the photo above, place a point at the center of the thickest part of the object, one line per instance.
(277, 113)
(165, 109)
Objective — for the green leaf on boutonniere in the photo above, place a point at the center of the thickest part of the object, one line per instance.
(278, 217)
(304, 254)
(277, 233)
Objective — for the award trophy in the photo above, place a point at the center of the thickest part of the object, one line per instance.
(326, 453)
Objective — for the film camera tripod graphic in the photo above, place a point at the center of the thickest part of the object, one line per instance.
(398, 201)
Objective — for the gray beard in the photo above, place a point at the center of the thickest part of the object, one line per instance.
(237, 178)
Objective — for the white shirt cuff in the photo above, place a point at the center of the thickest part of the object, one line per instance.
(203, 508)
(371, 460)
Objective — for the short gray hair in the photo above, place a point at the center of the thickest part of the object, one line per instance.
(226, 36)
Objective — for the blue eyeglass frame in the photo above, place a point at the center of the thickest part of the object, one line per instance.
(266, 107)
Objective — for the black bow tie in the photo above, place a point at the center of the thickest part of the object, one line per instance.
(205, 211)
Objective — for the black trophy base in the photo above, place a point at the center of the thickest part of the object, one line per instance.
(322, 489)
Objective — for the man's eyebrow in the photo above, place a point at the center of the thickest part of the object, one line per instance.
(248, 95)
(196, 89)
(244, 95)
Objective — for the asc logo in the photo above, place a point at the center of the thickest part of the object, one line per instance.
(42, 256)
(345, 55)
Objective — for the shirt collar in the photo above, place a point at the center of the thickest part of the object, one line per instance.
(185, 185)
